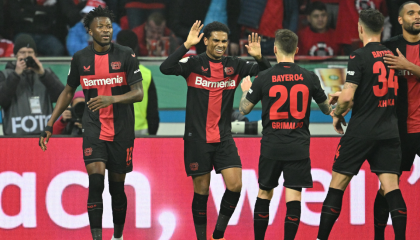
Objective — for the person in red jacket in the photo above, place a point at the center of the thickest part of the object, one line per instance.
(317, 39)
(68, 124)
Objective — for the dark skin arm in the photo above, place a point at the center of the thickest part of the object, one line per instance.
(62, 103)
(135, 95)
(401, 63)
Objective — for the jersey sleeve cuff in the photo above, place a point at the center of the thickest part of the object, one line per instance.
(353, 81)
(136, 81)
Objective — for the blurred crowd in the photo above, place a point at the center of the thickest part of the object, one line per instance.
(325, 27)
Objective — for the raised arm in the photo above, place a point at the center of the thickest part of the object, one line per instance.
(172, 65)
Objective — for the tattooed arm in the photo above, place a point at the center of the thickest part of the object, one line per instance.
(346, 98)
(325, 107)
(245, 106)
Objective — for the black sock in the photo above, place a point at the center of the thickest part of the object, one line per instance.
(398, 212)
(227, 207)
(380, 216)
(291, 223)
(94, 206)
(199, 210)
(119, 206)
(330, 211)
(261, 217)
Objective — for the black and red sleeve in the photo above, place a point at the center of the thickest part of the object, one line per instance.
(73, 79)
(132, 69)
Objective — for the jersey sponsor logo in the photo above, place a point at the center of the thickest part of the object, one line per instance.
(321, 49)
(364, 4)
(88, 151)
(29, 123)
(116, 65)
(194, 166)
(138, 70)
(103, 81)
(286, 125)
(184, 60)
(352, 57)
(405, 73)
(204, 69)
(250, 91)
(229, 70)
(222, 84)
(351, 73)
(86, 69)
(287, 78)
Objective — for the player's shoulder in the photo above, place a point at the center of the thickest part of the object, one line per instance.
(82, 53)
(394, 40)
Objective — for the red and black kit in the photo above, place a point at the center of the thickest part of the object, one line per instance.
(372, 132)
(211, 88)
(408, 104)
(106, 73)
(286, 92)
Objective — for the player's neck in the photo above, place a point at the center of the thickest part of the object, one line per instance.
(99, 48)
(411, 37)
(371, 38)
(285, 58)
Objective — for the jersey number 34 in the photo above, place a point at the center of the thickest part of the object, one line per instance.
(391, 82)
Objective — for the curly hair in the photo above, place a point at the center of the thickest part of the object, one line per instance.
(215, 27)
(97, 12)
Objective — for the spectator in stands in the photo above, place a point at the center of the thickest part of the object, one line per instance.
(155, 39)
(348, 15)
(78, 38)
(139, 10)
(146, 114)
(38, 19)
(317, 39)
(27, 91)
(332, 10)
(70, 9)
(6, 48)
(183, 14)
(265, 17)
(70, 123)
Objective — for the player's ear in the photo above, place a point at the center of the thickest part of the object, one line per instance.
(206, 41)
(90, 32)
(297, 50)
(400, 20)
(275, 49)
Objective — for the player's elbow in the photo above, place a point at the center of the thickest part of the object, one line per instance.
(164, 69)
(139, 95)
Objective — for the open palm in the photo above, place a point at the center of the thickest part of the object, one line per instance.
(254, 45)
(194, 36)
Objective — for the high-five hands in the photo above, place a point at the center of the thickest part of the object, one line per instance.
(254, 46)
(194, 36)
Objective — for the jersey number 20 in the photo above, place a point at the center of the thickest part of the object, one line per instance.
(391, 82)
(303, 89)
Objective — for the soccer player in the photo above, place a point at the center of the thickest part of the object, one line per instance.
(372, 133)
(212, 79)
(111, 82)
(406, 49)
(286, 91)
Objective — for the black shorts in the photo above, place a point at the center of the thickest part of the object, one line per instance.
(410, 147)
(118, 155)
(296, 173)
(200, 157)
(384, 156)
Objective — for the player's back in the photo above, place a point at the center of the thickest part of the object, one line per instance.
(286, 91)
(374, 111)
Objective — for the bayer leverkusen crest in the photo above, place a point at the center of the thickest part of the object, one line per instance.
(115, 65)
(229, 70)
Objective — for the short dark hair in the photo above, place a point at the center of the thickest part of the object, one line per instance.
(156, 17)
(372, 19)
(97, 12)
(215, 27)
(316, 6)
(403, 5)
(286, 41)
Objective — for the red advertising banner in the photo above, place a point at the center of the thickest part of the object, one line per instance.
(43, 195)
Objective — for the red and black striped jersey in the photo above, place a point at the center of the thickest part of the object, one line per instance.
(107, 73)
(286, 91)
(211, 88)
(408, 104)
